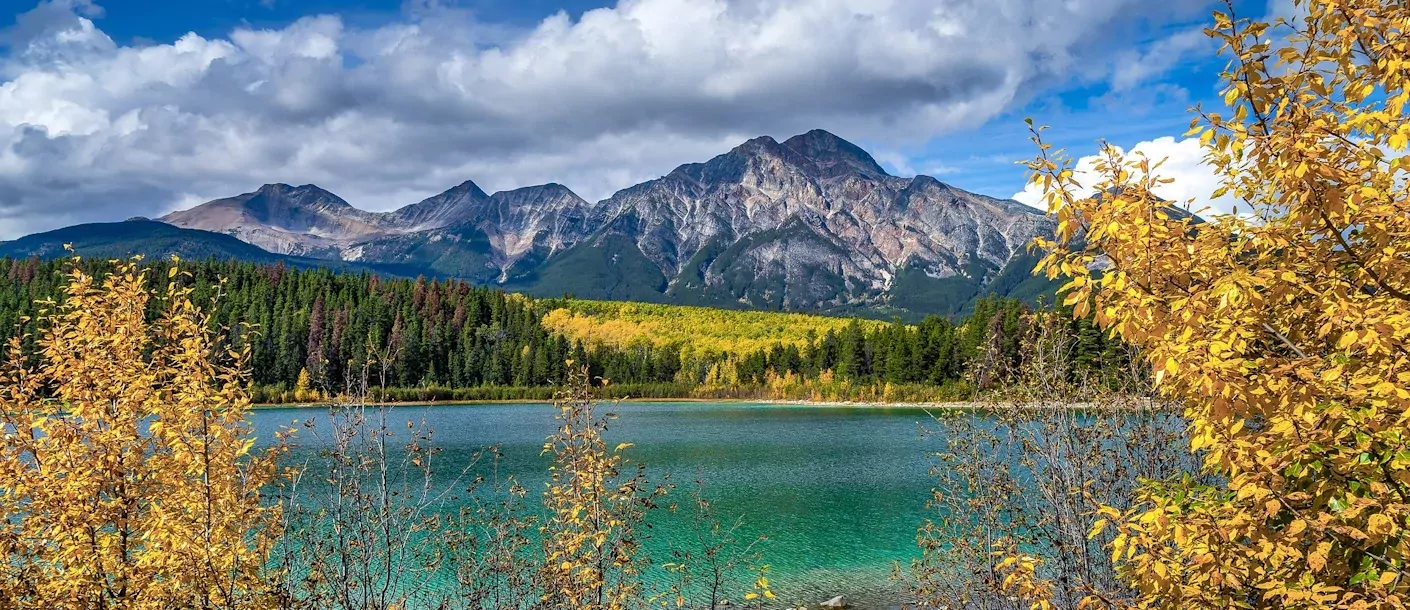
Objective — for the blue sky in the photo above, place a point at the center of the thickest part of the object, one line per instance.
(166, 20)
(115, 108)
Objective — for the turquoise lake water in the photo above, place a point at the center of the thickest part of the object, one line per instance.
(839, 492)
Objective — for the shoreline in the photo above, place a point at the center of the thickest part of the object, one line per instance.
(946, 405)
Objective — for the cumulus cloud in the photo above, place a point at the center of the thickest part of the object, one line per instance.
(1194, 181)
(94, 130)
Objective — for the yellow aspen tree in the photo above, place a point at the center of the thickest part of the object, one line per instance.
(303, 387)
(1284, 329)
(127, 478)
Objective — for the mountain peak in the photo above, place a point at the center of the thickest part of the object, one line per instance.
(753, 146)
(547, 188)
(280, 218)
(469, 187)
(834, 155)
(304, 194)
(818, 153)
(539, 195)
(280, 187)
(464, 200)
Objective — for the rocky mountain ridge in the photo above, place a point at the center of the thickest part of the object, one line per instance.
(810, 223)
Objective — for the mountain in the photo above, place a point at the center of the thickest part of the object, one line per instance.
(158, 240)
(300, 220)
(136, 236)
(455, 205)
(810, 223)
(307, 220)
(489, 239)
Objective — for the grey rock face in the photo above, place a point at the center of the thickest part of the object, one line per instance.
(812, 209)
(458, 204)
(540, 220)
(485, 237)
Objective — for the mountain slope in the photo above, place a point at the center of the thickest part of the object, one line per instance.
(144, 237)
(810, 223)
(307, 220)
(158, 240)
(462, 202)
(491, 239)
(299, 220)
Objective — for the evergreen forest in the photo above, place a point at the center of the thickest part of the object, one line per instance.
(318, 333)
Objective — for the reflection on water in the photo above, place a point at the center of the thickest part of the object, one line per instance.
(838, 492)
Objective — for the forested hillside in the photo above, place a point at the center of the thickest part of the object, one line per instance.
(315, 333)
(703, 329)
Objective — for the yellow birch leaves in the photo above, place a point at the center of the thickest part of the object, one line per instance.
(126, 473)
(595, 505)
(1284, 329)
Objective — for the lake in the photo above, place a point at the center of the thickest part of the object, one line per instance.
(839, 492)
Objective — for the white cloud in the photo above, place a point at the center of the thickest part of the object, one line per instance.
(94, 130)
(895, 162)
(1194, 181)
(1136, 67)
(940, 169)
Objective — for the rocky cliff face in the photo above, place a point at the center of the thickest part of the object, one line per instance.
(812, 222)
(461, 203)
(809, 223)
(489, 239)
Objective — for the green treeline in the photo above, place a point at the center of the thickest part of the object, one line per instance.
(934, 351)
(317, 331)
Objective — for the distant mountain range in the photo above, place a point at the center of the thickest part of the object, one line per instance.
(151, 238)
(812, 223)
